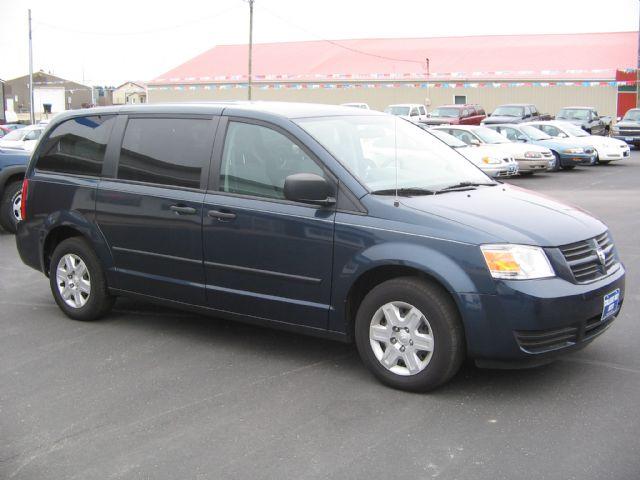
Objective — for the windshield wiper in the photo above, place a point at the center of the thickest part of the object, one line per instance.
(464, 186)
(406, 192)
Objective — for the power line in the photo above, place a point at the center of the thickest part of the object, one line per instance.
(338, 44)
(140, 32)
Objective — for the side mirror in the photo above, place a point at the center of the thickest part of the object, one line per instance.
(562, 135)
(308, 188)
(475, 142)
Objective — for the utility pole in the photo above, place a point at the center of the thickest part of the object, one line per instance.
(31, 109)
(250, 44)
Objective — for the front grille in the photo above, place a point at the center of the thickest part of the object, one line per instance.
(542, 341)
(629, 131)
(583, 259)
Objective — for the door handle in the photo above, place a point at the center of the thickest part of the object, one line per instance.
(221, 215)
(182, 210)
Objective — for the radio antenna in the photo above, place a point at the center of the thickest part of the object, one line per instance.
(396, 202)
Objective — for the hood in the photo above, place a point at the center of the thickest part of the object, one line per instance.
(574, 121)
(512, 215)
(440, 121)
(597, 141)
(628, 124)
(518, 149)
(501, 119)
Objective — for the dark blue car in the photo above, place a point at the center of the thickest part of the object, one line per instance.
(13, 164)
(302, 217)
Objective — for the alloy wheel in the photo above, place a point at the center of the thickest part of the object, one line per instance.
(16, 204)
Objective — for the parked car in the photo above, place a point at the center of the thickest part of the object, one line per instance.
(273, 214)
(456, 115)
(566, 153)
(410, 111)
(13, 164)
(6, 128)
(628, 128)
(515, 113)
(530, 158)
(586, 118)
(356, 105)
(22, 138)
(607, 149)
(490, 159)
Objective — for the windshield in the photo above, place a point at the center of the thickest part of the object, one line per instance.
(509, 112)
(397, 110)
(534, 133)
(632, 116)
(369, 145)
(573, 114)
(16, 134)
(573, 130)
(490, 136)
(448, 139)
(446, 112)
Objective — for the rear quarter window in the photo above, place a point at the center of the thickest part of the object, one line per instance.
(77, 146)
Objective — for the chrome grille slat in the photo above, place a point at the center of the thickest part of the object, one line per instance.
(583, 261)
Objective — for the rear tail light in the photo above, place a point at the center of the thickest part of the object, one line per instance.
(23, 199)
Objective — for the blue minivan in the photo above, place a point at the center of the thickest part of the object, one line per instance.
(307, 217)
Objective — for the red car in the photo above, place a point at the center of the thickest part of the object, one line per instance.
(467, 114)
(4, 129)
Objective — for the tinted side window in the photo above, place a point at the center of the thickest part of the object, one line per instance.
(166, 151)
(256, 160)
(77, 146)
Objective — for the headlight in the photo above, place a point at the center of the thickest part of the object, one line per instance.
(532, 155)
(573, 150)
(490, 160)
(517, 262)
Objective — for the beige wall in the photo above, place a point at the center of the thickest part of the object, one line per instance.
(124, 92)
(547, 99)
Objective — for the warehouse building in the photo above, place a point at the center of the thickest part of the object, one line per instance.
(551, 71)
(58, 93)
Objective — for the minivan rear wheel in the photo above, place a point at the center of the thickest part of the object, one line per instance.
(78, 282)
(409, 334)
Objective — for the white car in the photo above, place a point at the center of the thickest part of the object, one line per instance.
(410, 111)
(491, 159)
(530, 158)
(607, 149)
(356, 105)
(22, 139)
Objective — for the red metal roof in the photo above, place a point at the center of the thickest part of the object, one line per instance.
(589, 56)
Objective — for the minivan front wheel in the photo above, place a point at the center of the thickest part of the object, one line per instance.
(409, 334)
(77, 281)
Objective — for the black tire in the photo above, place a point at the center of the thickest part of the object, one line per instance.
(556, 165)
(569, 167)
(99, 301)
(8, 219)
(444, 320)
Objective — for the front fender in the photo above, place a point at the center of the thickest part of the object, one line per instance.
(10, 171)
(458, 267)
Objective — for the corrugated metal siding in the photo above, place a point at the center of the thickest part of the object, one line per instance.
(547, 99)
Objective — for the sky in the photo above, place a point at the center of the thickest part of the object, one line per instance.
(108, 43)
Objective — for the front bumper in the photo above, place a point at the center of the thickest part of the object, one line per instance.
(534, 321)
(527, 165)
(609, 154)
(568, 159)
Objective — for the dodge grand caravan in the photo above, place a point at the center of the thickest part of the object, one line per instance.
(287, 215)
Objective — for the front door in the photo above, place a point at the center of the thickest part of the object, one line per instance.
(151, 213)
(266, 257)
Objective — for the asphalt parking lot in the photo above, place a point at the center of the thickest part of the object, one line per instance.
(156, 394)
